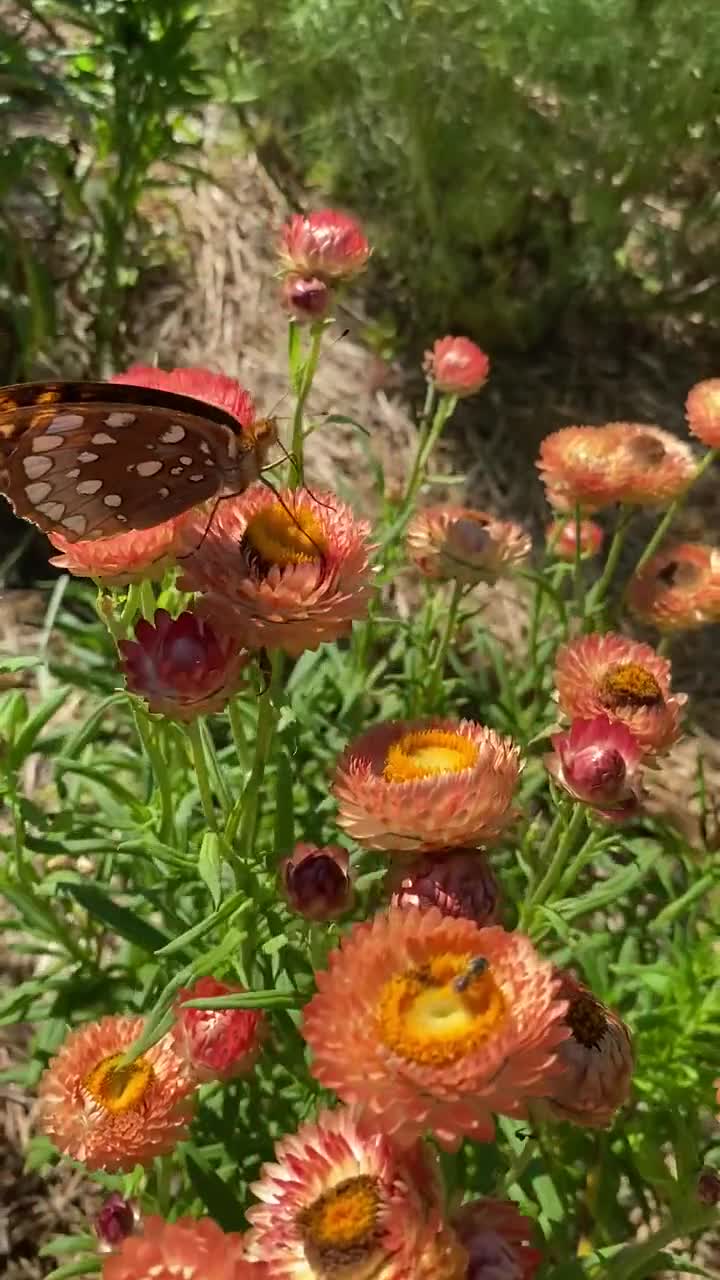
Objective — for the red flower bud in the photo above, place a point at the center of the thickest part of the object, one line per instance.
(116, 1220)
(457, 366)
(327, 244)
(316, 881)
(307, 298)
(217, 1044)
(596, 761)
(460, 883)
(181, 666)
(708, 1187)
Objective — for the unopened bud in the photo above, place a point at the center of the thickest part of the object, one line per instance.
(116, 1220)
(306, 298)
(317, 882)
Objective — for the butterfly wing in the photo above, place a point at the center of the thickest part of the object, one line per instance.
(91, 460)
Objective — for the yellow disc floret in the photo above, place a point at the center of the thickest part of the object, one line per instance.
(342, 1220)
(117, 1086)
(441, 1012)
(279, 536)
(587, 1021)
(627, 684)
(429, 752)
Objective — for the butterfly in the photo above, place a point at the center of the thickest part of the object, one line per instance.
(90, 460)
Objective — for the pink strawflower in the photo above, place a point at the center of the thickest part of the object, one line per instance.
(678, 589)
(286, 571)
(467, 546)
(703, 412)
(584, 467)
(327, 244)
(624, 680)
(343, 1200)
(597, 761)
(316, 881)
(426, 785)
(561, 535)
(117, 1219)
(181, 666)
(498, 1238)
(188, 1249)
(460, 883)
(456, 366)
(124, 558)
(201, 384)
(596, 1061)
(216, 1044)
(662, 467)
(307, 299)
(107, 1114)
(433, 1024)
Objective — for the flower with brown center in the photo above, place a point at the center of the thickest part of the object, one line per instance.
(585, 467)
(561, 536)
(661, 466)
(678, 589)
(702, 408)
(459, 883)
(181, 666)
(597, 1061)
(499, 1240)
(285, 571)
(342, 1199)
(456, 366)
(316, 881)
(108, 1113)
(425, 785)
(327, 244)
(466, 546)
(597, 762)
(432, 1023)
(216, 1044)
(190, 1248)
(623, 680)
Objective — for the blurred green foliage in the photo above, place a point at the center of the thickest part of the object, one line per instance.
(513, 157)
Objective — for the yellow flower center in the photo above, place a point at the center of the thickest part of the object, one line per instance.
(342, 1221)
(118, 1087)
(627, 684)
(586, 1019)
(440, 1013)
(431, 751)
(279, 536)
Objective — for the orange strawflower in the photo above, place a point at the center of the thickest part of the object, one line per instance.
(189, 1249)
(181, 666)
(460, 883)
(457, 366)
(703, 411)
(426, 785)
(662, 467)
(678, 589)
(342, 1199)
(583, 466)
(498, 1238)
(107, 1114)
(287, 571)
(326, 244)
(464, 545)
(125, 557)
(610, 675)
(597, 1061)
(216, 1044)
(561, 535)
(433, 1024)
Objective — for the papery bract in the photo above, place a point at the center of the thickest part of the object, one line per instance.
(597, 762)
(181, 666)
(498, 1238)
(561, 535)
(661, 466)
(306, 298)
(316, 881)
(702, 408)
(116, 1219)
(457, 366)
(134, 556)
(584, 467)
(459, 883)
(327, 244)
(216, 1044)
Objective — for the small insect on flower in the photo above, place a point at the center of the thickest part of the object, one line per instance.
(217, 1044)
(466, 546)
(456, 366)
(426, 785)
(459, 882)
(191, 1248)
(181, 666)
(678, 589)
(89, 460)
(108, 1113)
(316, 881)
(449, 1024)
(327, 244)
(702, 408)
(342, 1199)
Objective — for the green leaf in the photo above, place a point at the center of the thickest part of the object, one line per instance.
(19, 664)
(235, 905)
(83, 1267)
(210, 865)
(216, 1195)
(67, 1244)
(120, 919)
(284, 811)
(26, 739)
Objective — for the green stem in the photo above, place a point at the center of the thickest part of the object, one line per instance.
(596, 597)
(160, 773)
(445, 409)
(309, 370)
(672, 511)
(423, 431)
(237, 730)
(221, 788)
(555, 869)
(195, 739)
(438, 663)
(581, 859)
(269, 707)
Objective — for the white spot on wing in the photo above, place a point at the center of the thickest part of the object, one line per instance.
(164, 492)
(89, 486)
(78, 524)
(174, 434)
(101, 437)
(37, 491)
(66, 422)
(204, 446)
(87, 456)
(112, 500)
(36, 467)
(149, 468)
(186, 461)
(44, 444)
(198, 477)
(53, 510)
(72, 475)
(120, 419)
(121, 518)
(176, 471)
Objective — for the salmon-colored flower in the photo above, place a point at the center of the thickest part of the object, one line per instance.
(498, 1238)
(108, 1114)
(432, 1023)
(306, 298)
(426, 785)
(464, 545)
(456, 366)
(678, 589)
(584, 467)
(597, 762)
(317, 881)
(342, 1199)
(327, 244)
(460, 883)
(597, 1061)
(661, 466)
(124, 558)
(703, 411)
(561, 535)
(624, 680)
(201, 384)
(181, 666)
(287, 571)
(216, 1044)
(194, 1249)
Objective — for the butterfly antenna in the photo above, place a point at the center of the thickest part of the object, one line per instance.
(206, 530)
(279, 498)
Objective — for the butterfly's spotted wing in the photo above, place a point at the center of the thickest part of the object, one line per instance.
(94, 459)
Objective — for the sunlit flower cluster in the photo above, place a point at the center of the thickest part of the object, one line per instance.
(622, 462)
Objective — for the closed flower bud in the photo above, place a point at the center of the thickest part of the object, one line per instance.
(562, 537)
(316, 881)
(327, 244)
(703, 412)
(183, 667)
(456, 366)
(216, 1044)
(460, 883)
(116, 1220)
(597, 761)
(306, 298)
